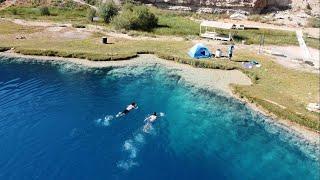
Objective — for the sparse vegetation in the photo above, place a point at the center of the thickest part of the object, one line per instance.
(7, 28)
(256, 18)
(314, 22)
(313, 42)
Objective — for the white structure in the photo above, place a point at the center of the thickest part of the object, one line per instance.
(215, 25)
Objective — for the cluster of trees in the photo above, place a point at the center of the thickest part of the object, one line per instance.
(132, 16)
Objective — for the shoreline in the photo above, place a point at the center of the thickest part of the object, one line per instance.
(214, 80)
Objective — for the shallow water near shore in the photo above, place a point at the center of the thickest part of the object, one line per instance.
(58, 122)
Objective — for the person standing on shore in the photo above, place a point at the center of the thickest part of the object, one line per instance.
(230, 51)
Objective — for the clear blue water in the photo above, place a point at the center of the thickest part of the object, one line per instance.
(52, 126)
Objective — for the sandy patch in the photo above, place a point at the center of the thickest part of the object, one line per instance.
(294, 57)
(75, 34)
(55, 29)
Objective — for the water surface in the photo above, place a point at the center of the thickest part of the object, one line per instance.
(56, 122)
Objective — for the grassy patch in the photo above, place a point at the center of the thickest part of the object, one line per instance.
(60, 14)
(285, 87)
(174, 24)
(314, 22)
(274, 37)
(313, 42)
(81, 55)
(7, 28)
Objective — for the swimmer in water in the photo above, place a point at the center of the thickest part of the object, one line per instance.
(148, 126)
(130, 107)
(151, 118)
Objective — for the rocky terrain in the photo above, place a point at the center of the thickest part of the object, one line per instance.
(249, 5)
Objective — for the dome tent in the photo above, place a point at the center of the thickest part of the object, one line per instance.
(199, 51)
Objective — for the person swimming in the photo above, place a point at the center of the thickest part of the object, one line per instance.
(130, 107)
(151, 118)
(148, 126)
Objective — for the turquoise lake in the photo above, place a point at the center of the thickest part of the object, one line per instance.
(57, 121)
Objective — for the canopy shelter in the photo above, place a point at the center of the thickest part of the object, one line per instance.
(199, 51)
(205, 25)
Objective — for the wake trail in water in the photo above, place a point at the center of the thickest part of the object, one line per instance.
(133, 145)
(104, 121)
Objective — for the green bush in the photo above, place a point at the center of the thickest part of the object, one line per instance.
(1, 1)
(135, 17)
(108, 11)
(91, 13)
(44, 11)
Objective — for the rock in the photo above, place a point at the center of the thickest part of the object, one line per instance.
(313, 107)
(20, 37)
(238, 16)
(179, 8)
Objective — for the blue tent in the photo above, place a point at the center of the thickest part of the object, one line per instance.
(199, 51)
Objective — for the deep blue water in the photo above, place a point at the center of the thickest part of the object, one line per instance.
(52, 126)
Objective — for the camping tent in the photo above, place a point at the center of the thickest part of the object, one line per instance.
(199, 51)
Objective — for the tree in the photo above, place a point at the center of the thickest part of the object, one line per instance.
(136, 18)
(108, 11)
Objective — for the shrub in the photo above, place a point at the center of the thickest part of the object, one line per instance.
(108, 11)
(136, 18)
(91, 13)
(44, 11)
(1, 1)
